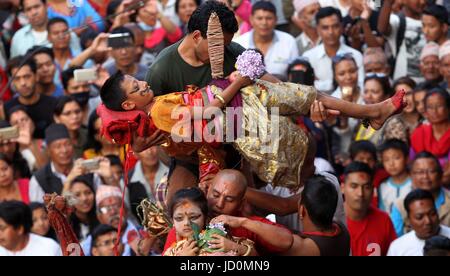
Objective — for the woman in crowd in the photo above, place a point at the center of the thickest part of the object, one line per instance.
(41, 224)
(10, 187)
(184, 10)
(30, 148)
(69, 113)
(84, 218)
(10, 148)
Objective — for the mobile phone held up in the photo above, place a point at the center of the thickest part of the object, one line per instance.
(8, 133)
(91, 164)
(83, 75)
(121, 40)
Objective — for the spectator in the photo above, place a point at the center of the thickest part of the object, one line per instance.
(329, 26)
(419, 94)
(10, 187)
(265, 38)
(402, 125)
(361, 26)
(301, 72)
(100, 6)
(437, 246)
(68, 112)
(184, 10)
(423, 216)
(116, 167)
(61, 170)
(87, 39)
(394, 157)
(15, 237)
(435, 137)
(242, 11)
(403, 32)
(435, 23)
(97, 145)
(108, 200)
(41, 223)
(429, 63)
(40, 107)
(444, 62)
(375, 61)
(59, 35)
(426, 175)
(76, 16)
(304, 19)
(125, 58)
(46, 72)
(142, 56)
(104, 238)
(97, 51)
(82, 93)
(31, 149)
(371, 230)
(35, 33)
(11, 150)
(84, 218)
(160, 31)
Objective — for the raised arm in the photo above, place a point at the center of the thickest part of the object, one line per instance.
(383, 20)
(278, 205)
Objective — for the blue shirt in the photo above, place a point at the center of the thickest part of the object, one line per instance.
(397, 218)
(80, 16)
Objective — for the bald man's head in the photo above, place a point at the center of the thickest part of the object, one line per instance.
(226, 193)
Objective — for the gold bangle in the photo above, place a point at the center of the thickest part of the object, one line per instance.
(220, 98)
(249, 249)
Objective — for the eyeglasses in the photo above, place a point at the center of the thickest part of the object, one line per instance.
(107, 243)
(105, 209)
(423, 172)
(340, 57)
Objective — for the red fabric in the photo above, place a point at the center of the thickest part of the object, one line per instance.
(375, 229)
(118, 126)
(380, 175)
(24, 188)
(159, 35)
(3, 82)
(263, 247)
(422, 139)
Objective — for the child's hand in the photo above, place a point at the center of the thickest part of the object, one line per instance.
(189, 248)
(222, 243)
(243, 81)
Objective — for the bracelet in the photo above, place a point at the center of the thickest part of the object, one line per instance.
(217, 96)
(249, 249)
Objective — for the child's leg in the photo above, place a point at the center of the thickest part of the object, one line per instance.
(376, 113)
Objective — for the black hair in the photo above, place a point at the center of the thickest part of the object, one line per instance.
(428, 155)
(91, 215)
(308, 76)
(21, 3)
(56, 20)
(19, 62)
(415, 195)
(91, 142)
(338, 59)
(384, 83)
(16, 214)
(424, 86)
(437, 246)
(36, 50)
(405, 81)
(123, 30)
(16, 108)
(395, 144)
(86, 35)
(36, 206)
(67, 75)
(114, 160)
(19, 164)
(112, 94)
(99, 231)
(265, 6)
(326, 12)
(356, 166)
(194, 195)
(438, 91)
(61, 103)
(112, 7)
(437, 11)
(363, 146)
(320, 199)
(200, 17)
(177, 4)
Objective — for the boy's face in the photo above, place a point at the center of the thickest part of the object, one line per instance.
(138, 94)
(394, 161)
(366, 157)
(432, 28)
(416, 6)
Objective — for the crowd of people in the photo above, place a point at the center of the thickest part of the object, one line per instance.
(363, 190)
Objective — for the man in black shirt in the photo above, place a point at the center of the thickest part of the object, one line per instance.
(39, 107)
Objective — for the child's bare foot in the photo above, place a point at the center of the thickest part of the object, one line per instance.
(389, 107)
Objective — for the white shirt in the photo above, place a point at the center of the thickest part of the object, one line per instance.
(291, 221)
(37, 246)
(322, 65)
(389, 193)
(281, 52)
(410, 245)
(304, 43)
(335, 4)
(408, 59)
